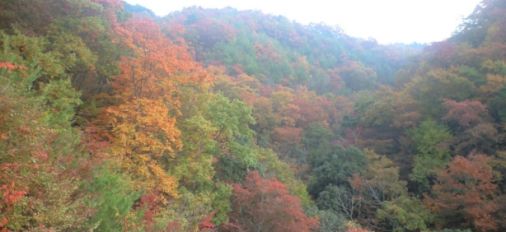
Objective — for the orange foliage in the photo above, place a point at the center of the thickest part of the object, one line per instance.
(143, 120)
(467, 185)
(10, 66)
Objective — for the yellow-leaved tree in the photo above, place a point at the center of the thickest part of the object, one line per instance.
(141, 120)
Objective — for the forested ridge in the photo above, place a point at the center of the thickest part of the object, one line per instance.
(114, 119)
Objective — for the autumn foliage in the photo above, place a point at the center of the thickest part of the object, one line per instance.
(266, 205)
(115, 119)
(466, 184)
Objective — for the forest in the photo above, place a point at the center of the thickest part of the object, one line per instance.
(225, 120)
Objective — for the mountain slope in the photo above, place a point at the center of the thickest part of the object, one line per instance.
(114, 119)
(280, 51)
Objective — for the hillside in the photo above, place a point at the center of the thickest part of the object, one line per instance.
(279, 51)
(114, 119)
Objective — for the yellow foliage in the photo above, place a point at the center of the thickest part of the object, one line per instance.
(142, 122)
(166, 184)
(494, 84)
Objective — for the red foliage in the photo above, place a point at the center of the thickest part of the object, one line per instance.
(476, 131)
(3, 223)
(443, 52)
(266, 205)
(466, 186)
(95, 139)
(466, 113)
(206, 224)
(10, 66)
(309, 108)
(40, 155)
(9, 195)
(173, 227)
(149, 203)
(158, 64)
(288, 134)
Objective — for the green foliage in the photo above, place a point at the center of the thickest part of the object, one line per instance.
(40, 157)
(278, 51)
(381, 178)
(432, 153)
(193, 206)
(62, 100)
(335, 168)
(272, 166)
(338, 199)
(331, 221)
(232, 119)
(201, 194)
(405, 214)
(31, 52)
(221, 203)
(112, 197)
(316, 138)
(71, 50)
(366, 193)
(193, 165)
(497, 105)
(430, 90)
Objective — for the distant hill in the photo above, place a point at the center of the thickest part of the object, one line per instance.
(278, 50)
(138, 9)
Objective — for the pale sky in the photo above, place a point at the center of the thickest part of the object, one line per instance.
(387, 21)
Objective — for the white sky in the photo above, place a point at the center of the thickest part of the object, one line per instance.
(387, 21)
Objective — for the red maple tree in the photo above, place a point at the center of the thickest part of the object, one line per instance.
(266, 205)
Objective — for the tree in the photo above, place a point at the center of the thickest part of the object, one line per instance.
(113, 197)
(265, 205)
(378, 184)
(331, 221)
(465, 193)
(143, 120)
(366, 193)
(41, 162)
(316, 138)
(354, 227)
(234, 137)
(405, 214)
(436, 85)
(466, 114)
(335, 168)
(432, 152)
(340, 200)
(473, 125)
(202, 194)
